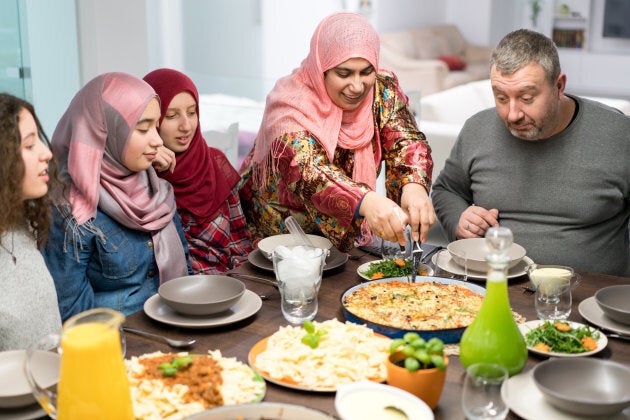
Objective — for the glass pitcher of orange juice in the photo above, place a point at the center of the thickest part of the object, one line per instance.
(92, 380)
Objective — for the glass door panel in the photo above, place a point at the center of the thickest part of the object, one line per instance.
(14, 72)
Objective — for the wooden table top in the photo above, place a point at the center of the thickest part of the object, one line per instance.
(236, 340)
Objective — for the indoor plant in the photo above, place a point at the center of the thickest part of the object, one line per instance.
(418, 366)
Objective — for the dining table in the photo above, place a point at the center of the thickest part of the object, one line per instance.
(236, 339)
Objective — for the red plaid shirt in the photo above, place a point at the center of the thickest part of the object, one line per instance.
(221, 243)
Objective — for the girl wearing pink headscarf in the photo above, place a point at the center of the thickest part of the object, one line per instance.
(203, 179)
(118, 236)
(326, 129)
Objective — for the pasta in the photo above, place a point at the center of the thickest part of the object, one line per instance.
(153, 399)
(346, 353)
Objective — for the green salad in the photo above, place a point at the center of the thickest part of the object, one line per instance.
(561, 337)
(391, 268)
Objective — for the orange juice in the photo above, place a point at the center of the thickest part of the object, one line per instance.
(93, 383)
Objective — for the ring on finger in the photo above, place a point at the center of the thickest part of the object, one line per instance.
(468, 226)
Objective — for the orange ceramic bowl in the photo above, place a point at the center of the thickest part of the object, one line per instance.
(426, 384)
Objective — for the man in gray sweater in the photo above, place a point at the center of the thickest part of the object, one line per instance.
(554, 168)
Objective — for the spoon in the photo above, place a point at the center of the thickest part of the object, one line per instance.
(296, 230)
(171, 342)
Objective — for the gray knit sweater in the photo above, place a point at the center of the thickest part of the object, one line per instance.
(28, 302)
(566, 199)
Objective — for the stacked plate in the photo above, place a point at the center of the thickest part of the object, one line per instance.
(16, 399)
(474, 251)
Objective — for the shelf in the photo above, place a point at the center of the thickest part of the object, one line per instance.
(569, 38)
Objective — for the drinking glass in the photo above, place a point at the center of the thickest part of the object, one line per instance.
(481, 397)
(299, 275)
(553, 299)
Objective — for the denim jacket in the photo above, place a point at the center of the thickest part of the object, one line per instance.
(115, 269)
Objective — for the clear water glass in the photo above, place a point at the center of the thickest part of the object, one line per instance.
(481, 397)
(299, 277)
(553, 300)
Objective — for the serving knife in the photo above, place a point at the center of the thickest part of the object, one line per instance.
(416, 255)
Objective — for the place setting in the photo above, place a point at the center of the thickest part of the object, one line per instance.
(466, 258)
(17, 401)
(568, 383)
(609, 309)
(261, 257)
(202, 301)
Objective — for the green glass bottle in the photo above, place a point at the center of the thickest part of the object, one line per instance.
(493, 336)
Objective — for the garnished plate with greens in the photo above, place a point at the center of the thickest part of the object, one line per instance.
(562, 338)
(382, 269)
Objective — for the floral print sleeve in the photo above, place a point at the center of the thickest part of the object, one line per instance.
(321, 194)
(406, 151)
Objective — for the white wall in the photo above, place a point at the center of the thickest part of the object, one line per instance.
(53, 57)
(112, 37)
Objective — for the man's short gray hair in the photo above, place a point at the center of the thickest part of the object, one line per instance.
(523, 46)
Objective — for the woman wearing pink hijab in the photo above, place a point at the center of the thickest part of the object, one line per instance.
(118, 235)
(326, 129)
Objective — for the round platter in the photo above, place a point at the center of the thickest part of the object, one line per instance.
(526, 327)
(271, 410)
(260, 347)
(451, 335)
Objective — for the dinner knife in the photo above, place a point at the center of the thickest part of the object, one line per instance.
(253, 278)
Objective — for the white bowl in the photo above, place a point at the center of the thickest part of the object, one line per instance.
(268, 244)
(615, 302)
(368, 400)
(475, 252)
(201, 294)
(584, 386)
(14, 388)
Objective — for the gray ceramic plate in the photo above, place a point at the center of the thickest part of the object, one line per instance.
(584, 386)
(15, 391)
(336, 259)
(523, 398)
(590, 311)
(449, 265)
(158, 310)
(276, 411)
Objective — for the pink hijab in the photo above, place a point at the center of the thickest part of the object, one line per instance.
(90, 142)
(299, 102)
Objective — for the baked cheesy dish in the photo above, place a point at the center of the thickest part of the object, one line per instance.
(207, 381)
(415, 306)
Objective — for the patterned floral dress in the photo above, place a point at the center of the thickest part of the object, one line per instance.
(321, 194)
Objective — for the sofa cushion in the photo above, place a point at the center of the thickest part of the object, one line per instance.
(453, 62)
(456, 105)
(401, 42)
(452, 38)
(426, 45)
